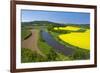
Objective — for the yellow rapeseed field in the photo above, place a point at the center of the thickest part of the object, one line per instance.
(67, 28)
(79, 39)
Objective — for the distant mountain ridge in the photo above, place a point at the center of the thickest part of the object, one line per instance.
(40, 23)
(47, 23)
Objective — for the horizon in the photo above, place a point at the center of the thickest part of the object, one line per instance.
(51, 21)
(56, 17)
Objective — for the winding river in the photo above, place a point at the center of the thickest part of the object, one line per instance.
(66, 50)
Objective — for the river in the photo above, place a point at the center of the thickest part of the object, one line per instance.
(58, 47)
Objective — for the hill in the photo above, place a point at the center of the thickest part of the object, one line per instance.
(41, 23)
(49, 23)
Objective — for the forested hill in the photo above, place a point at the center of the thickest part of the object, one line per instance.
(49, 23)
(41, 23)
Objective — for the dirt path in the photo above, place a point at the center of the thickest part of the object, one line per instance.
(31, 42)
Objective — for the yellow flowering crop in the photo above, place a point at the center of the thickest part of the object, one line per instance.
(67, 28)
(79, 39)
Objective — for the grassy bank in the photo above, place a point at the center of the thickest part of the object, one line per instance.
(25, 34)
(50, 53)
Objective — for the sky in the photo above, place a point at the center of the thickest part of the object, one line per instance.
(53, 16)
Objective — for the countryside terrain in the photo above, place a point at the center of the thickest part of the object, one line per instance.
(45, 41)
